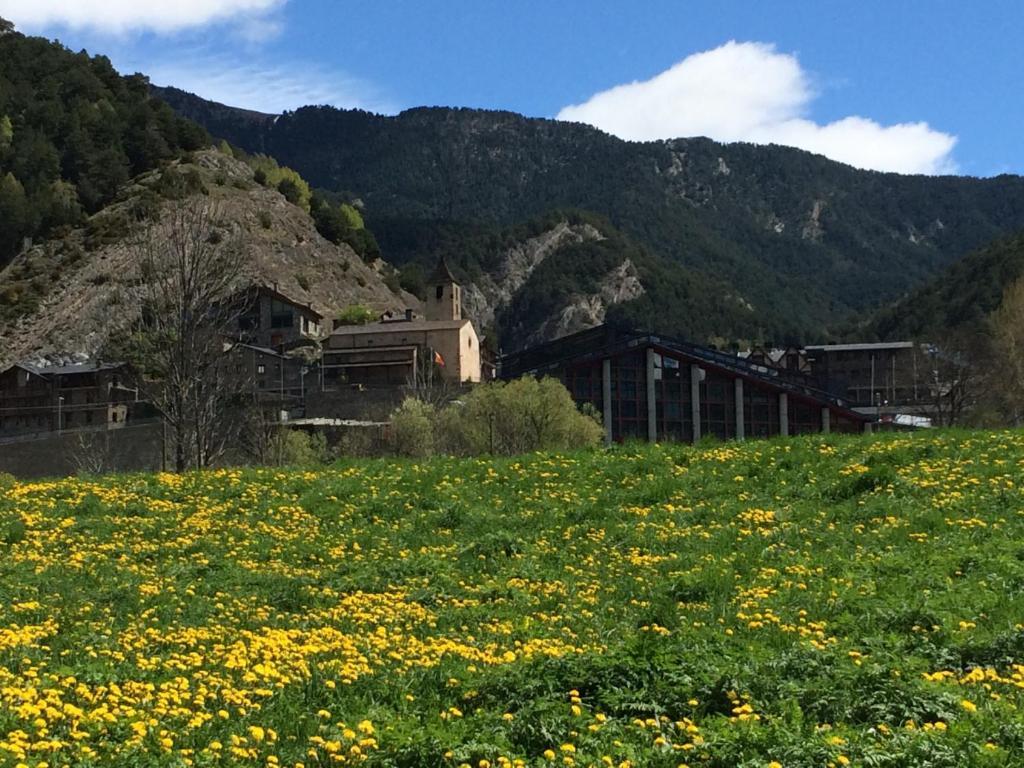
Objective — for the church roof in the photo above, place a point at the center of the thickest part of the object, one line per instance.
(400, 326)
(441, 273)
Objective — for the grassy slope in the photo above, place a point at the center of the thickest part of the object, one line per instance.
(809, 602)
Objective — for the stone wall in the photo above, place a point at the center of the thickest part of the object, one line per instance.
(132, 448)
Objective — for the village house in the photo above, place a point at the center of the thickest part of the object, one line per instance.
(276, 381)
(268, 318)
(788, 359)
(88, 395)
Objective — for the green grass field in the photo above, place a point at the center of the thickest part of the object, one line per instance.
(818, 601)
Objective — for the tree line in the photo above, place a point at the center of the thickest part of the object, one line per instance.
(72, 132)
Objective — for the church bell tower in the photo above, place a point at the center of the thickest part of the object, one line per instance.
(444, 294)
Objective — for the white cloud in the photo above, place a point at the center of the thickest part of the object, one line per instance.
(751, 92)
(265, 88)
(117, 16)
(259, 29)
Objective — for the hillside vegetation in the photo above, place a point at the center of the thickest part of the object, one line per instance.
(72, 132)
(790, 243)
(74, 292)
(960, 298)
(820, 601)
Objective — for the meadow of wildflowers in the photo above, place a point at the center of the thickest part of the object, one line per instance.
(821, 601)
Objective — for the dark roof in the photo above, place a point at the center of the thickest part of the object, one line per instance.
(264, 351)
(606, 341)
(871, 347)
(276, 294)
(441, 273)
(257, 348)
(68, 370)
(399, 326)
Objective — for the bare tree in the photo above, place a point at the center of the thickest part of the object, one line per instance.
(957, 378)
(258, 438)
(189, 274)
(92, 453)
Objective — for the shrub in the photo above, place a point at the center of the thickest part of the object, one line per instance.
(524, 415)
(297, 448)
(499, 419)
(288, 182)
(359, 441)
(290, 190)
(264, 219)
(175, 185)
(364, 243)
(356, 314)
(412, 428)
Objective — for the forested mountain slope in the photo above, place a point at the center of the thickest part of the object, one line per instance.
(792, 243)
(72, 132)
(960, 297)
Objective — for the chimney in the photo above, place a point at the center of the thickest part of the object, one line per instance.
(408, 315)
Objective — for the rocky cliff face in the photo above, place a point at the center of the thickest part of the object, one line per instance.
(584, 311)
(495, 291)
(64, 298)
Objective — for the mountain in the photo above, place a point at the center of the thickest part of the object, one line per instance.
(68, 296)
(730, 241)
(87, 154)
(960, 297)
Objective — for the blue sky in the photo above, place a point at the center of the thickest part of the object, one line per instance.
(911, 85)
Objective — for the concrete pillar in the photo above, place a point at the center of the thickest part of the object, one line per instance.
(783, 414)
(741, 427)
(826, 420)
(606, 398)
(652, 405)
(695, 400)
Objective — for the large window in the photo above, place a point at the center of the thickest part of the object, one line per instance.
(584, 384)
(672, 387)
(718, 406)
(629, 396)
(804, 418)
(281, 314)
(628, 387)
(760, 411)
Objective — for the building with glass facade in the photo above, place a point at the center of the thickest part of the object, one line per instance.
(653, 387)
